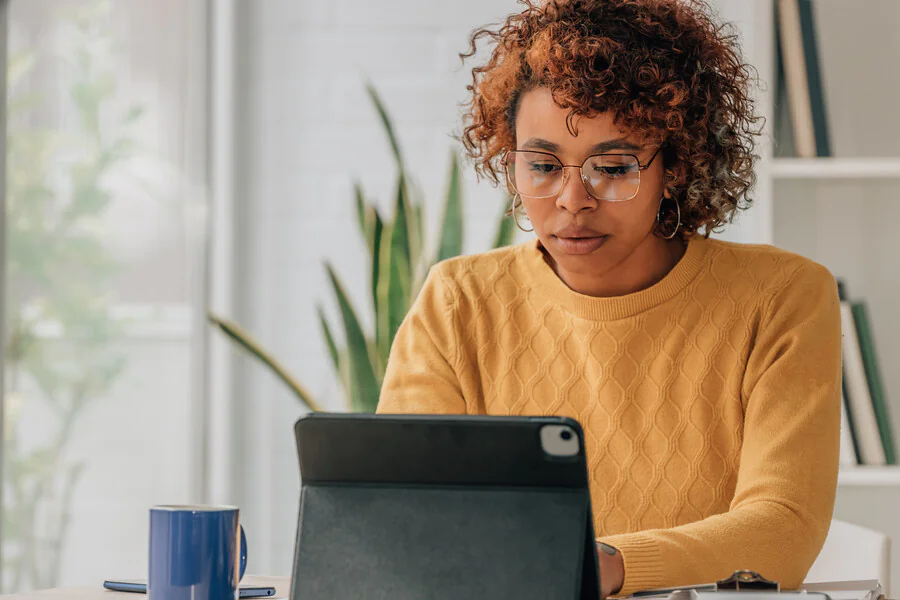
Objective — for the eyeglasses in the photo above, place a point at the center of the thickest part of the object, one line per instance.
(610, 177)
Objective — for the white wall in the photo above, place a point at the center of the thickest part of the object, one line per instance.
(303, 111)
(307, 116)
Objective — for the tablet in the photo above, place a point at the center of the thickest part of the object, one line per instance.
(405, 507)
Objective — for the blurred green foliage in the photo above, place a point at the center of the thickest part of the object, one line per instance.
(398, 263)
(60, 352)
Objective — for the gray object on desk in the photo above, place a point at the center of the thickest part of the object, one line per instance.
(403, 508)
(756, 595)
(840, 590)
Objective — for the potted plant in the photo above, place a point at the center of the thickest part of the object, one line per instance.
(399, 263)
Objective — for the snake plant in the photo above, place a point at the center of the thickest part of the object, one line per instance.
(399, 262)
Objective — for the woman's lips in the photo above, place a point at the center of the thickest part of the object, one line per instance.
(580, 245)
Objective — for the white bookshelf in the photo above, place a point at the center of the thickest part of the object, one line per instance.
(843, 212)
(836, 168)
(869, 476)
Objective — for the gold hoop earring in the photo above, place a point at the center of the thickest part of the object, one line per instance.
(516, 216)
(659, 219)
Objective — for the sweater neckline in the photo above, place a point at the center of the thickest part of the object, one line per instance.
(615, 307)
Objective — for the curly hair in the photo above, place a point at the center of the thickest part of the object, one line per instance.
(664, 68)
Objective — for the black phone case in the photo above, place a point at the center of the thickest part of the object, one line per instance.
(442, 507)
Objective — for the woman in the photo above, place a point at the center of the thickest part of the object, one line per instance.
(706, 374)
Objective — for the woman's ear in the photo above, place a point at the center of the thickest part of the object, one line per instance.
(668, 177)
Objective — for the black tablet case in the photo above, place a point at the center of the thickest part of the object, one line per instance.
(407, 507)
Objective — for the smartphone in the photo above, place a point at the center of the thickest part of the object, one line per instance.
(138, 586)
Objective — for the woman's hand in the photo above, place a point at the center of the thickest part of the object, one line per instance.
(612, 570)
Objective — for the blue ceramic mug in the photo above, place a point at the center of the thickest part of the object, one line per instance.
(196, 553)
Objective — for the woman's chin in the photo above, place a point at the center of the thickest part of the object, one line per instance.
(591, 262)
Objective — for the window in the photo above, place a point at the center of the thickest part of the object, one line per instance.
(105, 232)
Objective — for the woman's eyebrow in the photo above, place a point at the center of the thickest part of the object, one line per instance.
(616, 144)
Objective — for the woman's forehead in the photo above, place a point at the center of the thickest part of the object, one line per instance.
(541, 118)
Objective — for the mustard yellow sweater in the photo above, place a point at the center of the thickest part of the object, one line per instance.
(710, 401)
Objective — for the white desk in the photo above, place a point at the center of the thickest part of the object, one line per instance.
(96, 592)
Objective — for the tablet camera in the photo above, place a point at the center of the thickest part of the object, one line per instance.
(559, 441)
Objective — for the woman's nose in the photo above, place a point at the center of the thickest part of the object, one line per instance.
(573, 196)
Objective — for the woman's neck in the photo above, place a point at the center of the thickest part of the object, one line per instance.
(650, 262)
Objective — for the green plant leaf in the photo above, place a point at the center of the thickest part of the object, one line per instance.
(420, 264)
(364, 389)
(506, 227)
(400, 228)
(419, 219)
(393, 291)
(388, 125)
(372, 228)
(18, 65)
(344, 374)
(360, 208)
(395, 294)
(398, 291)
(248, 343)
(21, 103)
(452, 224)
(86, 102)
(414, 201)
(35, 462)
(133, 114)
(379, 362)
(88, 198)
(329, 339)
(120, 149)
(382, 321)
(375, 253)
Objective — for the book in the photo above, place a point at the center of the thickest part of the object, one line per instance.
(796, 77)
(873, 378)
(815, 84)
(849, 455)
(781, 115)
(849, 446)
(868, 435)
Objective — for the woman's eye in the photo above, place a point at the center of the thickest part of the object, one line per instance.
(617, 171)
(544, 168)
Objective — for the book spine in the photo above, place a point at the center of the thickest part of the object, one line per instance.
(873, 378)
(854, 438)
(868, 435)
(781, 118)
(796, 78)
(814, 78)
(849, 451)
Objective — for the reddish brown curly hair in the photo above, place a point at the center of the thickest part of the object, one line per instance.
(666, 70)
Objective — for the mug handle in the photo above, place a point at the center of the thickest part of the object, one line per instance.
(243, 553)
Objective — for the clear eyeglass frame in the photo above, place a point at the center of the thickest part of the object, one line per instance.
(510, 156)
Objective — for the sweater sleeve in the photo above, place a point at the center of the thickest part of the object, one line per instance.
(787, 479)
(421, 373)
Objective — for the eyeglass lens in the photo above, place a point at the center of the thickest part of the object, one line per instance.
(611, 177)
